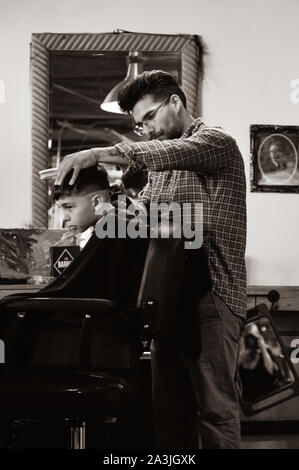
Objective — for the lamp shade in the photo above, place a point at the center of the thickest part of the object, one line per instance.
(110, 103)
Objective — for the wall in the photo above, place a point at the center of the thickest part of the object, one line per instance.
(252, 56)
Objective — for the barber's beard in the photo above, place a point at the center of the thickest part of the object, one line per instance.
(162, 134)
(175, 134)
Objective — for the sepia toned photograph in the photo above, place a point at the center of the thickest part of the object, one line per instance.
(274, 158)
(149, 220)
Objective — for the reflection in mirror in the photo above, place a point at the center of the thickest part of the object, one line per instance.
(264, 370)
(79, 83)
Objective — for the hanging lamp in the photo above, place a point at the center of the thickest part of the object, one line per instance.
(110, 103)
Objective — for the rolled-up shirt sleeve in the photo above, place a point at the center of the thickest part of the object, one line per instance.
(205, 151)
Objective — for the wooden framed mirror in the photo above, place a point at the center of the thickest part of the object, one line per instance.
(70, 76)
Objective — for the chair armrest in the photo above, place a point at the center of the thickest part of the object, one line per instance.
(48, 304)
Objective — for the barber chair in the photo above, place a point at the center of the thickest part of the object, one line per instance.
(73, 350)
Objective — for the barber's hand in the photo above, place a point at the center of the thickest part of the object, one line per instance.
(76, 161)
(86, 158)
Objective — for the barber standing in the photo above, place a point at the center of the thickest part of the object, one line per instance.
(189, 162)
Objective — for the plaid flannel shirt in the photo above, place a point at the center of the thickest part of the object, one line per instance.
(204, 165)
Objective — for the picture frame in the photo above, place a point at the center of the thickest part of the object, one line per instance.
(274, 158)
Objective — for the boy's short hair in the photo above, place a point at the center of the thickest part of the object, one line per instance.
(157, 83)
(88, 180)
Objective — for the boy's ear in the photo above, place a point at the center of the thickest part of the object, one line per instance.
(99, 205)
(96, 200)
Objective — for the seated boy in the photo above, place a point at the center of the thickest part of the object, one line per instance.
(83, 205)
(78, 201)
(85, 202)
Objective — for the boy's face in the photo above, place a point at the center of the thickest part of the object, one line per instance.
(78, 211)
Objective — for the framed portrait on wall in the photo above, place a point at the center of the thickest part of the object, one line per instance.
(274, 158)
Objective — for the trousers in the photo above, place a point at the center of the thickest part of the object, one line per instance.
(195, 400)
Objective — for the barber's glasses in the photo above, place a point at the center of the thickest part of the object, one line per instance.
(150, 116)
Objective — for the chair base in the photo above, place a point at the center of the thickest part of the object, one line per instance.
(78, 431)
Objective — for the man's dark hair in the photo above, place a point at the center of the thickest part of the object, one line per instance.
(89, 179)
(157, 83)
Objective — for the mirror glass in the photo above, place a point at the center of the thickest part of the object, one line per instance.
(78, 83)
(264, 368)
